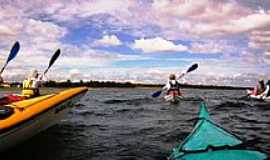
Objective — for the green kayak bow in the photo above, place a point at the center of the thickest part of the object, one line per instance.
(208, 141)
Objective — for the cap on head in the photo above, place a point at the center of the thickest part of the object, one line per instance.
(172, 77)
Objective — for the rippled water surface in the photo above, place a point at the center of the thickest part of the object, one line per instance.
(127, 124)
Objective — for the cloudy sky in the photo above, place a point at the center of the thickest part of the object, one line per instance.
(139, 40)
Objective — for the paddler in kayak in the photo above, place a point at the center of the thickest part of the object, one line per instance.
(266, 93)
(173, 89)
(173, 85)
(32, 84)
(258, 89)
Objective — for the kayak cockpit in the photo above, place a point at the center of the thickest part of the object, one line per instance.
(5, 112)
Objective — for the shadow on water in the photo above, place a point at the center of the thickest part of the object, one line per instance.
(127, 124)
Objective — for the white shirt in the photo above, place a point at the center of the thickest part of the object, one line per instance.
(36, 82)
(168, 84)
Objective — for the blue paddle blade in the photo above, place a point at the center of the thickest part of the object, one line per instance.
(193, 67)
(53, 59)
(156, 94)
(14, 51)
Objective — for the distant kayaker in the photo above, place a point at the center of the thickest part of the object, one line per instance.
(259, 88)
(32, 84)
(173, 85)
(266, 92)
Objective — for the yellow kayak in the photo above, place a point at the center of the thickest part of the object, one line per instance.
(21, 120)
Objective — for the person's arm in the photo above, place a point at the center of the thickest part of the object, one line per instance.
(255, 91)
(166, 87)
(41, 77)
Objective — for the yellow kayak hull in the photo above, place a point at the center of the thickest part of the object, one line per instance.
(35, 115)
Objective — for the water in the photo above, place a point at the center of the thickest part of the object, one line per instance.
(127, 124)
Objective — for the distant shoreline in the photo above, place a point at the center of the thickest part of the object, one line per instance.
(113, 84)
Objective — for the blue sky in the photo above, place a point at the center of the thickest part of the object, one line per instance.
(139, 41)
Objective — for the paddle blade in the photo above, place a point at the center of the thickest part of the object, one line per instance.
(53, 59)
(192, 68)
(13, 52)
(156, 94)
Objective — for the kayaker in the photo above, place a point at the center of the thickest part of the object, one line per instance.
(259, 88)
(266, 92)
(32, 84)
(173, 85)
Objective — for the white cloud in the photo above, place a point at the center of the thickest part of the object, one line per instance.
(260, 39)
(267, 53)
(208, 47)
(248, 23)
(108, 40)
(75, 74)
(157, 44)
(41, 25)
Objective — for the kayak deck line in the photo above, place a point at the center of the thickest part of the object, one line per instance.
(205, 134)
(22, 105)
(207, 140)
(38, 108)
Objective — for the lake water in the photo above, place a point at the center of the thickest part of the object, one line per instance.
(127, 124)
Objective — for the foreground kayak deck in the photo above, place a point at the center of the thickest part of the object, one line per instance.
(224, 155)
(34, 115)
(208, 141)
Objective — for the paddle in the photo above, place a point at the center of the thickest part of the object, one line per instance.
(53, 59)
(190, 69)
(13, 52)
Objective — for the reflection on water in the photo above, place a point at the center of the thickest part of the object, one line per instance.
(120, 124)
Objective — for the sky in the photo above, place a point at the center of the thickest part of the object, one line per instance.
(139, 41)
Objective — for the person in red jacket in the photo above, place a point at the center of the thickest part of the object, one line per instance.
(259, 88)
